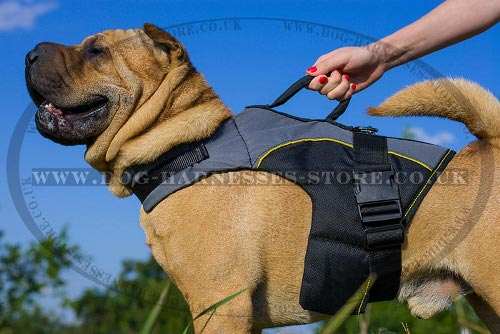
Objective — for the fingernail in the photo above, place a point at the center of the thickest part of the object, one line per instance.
(338, 70)
(346, 77)
(353, 86)
(322, 80)
(312, 69)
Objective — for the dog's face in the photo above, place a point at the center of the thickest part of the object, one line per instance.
(81, 90)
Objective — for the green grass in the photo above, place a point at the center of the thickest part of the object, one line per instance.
(380, 318)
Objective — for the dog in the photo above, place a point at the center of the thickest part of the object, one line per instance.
(120, 91)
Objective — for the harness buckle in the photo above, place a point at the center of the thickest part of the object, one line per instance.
(366, 129)
(379, 206)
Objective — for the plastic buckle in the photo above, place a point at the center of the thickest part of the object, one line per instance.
(379, 206)
(380, 211)
(377, 196)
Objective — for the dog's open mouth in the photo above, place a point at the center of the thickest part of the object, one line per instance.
(95, 106)
(72, 125)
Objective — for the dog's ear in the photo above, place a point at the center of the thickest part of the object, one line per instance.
(165, 40)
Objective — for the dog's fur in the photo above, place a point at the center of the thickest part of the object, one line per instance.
(214, 241)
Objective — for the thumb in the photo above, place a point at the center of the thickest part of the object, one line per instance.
(328, 63)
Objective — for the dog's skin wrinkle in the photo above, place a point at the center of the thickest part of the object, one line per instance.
(70, 64)
(214, 241)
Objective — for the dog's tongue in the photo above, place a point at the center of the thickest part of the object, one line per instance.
(51, 108)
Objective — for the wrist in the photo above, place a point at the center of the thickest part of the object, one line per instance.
(387, 54)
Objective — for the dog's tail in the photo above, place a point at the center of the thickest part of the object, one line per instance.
(457, 99)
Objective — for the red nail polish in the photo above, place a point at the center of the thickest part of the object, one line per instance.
(353, 86)
(322, 80)
(346, 77)
(312, 69)
(338, 70)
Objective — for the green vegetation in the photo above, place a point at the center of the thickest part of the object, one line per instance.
(151, 304)
(127, 311)
(389, 317)
(36, 271)
(25, 276)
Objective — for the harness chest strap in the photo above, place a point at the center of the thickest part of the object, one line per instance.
(144, 179)
(380, 210)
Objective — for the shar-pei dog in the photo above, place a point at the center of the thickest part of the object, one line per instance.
(132, 95)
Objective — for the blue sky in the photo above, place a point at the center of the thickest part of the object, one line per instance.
(247, 61)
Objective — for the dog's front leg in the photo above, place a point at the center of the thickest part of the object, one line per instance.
(211, 250)
(204, 285)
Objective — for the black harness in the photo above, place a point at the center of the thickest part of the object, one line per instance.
(359, 213)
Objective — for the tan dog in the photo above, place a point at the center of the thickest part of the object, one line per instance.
(121, 91)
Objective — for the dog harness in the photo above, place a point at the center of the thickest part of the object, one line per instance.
(364, 188)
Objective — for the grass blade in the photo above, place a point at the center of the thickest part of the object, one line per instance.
(347, 309)
(213, 308)
(155, 311)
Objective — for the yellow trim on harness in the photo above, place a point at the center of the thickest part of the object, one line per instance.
(425, 185)
(299, 141)
(368, 285)
(411, 159)
(265, 155)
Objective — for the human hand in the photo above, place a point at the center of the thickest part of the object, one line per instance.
(352, 70)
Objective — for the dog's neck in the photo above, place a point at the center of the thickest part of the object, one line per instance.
(182, 110)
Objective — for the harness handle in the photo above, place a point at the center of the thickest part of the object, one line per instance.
(300, 84)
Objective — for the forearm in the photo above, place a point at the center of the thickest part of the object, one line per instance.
(449, 23)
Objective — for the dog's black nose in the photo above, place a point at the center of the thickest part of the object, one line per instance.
(42, 52)
(31, 57)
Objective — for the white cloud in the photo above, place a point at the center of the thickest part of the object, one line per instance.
(22, 14)
(440, 138)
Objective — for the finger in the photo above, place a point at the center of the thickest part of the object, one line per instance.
(321, 58)
(341, 90)
(349, 93)
(318, 82)
(312, 71)
(333, 61)
(333, 81)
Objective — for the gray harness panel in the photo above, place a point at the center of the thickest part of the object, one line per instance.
(240, 142)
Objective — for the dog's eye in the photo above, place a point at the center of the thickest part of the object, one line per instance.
(94, 51)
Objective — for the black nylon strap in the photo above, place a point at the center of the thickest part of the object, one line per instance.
(370, 152)
(339, 110)
(299, 85)
(143, 179)
(379, 207)
(291, 91)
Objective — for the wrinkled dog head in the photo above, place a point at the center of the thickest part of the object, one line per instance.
(88, 91)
